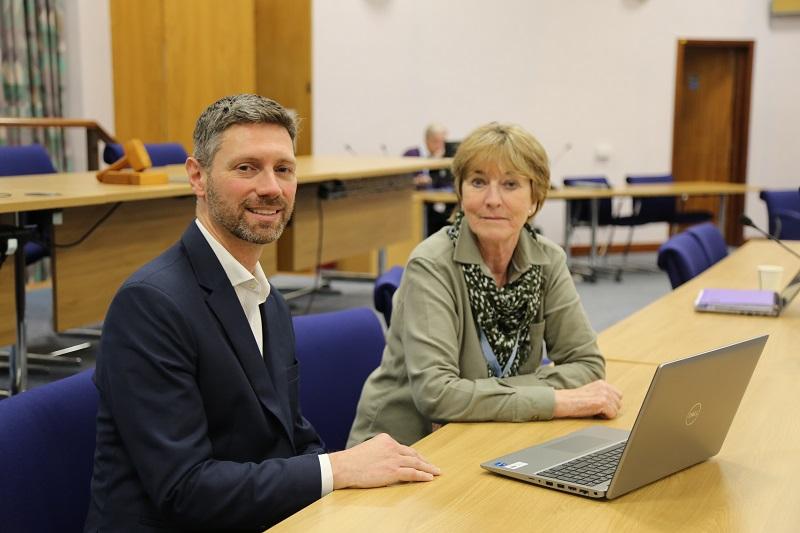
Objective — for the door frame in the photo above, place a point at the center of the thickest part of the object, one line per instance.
(741, 119)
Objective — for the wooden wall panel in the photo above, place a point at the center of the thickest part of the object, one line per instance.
(209, 53)
(283, 59)
(174, 57)
(137, 41)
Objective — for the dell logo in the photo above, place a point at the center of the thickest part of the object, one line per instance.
(693, 414)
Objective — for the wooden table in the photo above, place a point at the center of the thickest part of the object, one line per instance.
(145, 220)
(749, 486)
(674, 313)
(595, 194)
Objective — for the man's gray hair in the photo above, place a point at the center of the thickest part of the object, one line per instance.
(232, 110)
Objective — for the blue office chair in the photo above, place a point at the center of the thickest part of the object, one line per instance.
(385, 287)
(336, 352)
(711, 240)
(47, 442)
(783, 211)
(663, 208)
(20, 161)
(682, 258)
(581, 212)
(160, 153)
(34, 159)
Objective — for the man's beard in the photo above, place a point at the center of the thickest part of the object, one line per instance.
(235, 220)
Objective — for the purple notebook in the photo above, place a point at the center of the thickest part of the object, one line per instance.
(738, 301)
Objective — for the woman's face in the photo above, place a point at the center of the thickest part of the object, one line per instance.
(496, 203)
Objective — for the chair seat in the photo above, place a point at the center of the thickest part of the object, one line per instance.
(46, 453)
(161, 154)
(336, 352)
(783, 212)
(34, 251)
(682, 258)
(385, 287)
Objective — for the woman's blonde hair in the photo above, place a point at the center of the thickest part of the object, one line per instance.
(510, 146)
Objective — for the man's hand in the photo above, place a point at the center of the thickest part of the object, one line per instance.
(595, 398)
(378, 462)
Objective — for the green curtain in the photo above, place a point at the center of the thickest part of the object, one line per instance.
(32, 71)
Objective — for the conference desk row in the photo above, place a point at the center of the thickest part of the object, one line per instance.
(370, 206)
(721, 190)
(749, 486)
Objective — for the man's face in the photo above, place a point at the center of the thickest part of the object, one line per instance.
(435, 143)
(250, 188)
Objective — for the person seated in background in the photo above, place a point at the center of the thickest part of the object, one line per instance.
(437, 213)
(435, 136)
(198, 424)
(478, 303)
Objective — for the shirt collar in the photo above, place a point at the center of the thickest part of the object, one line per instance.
(529, 251)
(237, 274)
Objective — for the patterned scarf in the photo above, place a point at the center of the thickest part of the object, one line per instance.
(503, 313)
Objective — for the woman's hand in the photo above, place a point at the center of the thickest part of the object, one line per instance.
(595, 398)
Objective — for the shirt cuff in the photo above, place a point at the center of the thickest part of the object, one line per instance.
(326, 473)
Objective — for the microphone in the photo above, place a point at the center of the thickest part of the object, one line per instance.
(349, 149)
(384, 149)
(744, 219)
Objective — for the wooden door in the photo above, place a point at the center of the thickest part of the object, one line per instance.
(712, 107)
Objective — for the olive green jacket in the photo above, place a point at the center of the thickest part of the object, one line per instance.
(433, 369)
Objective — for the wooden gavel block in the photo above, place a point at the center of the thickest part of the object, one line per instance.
(138, 159)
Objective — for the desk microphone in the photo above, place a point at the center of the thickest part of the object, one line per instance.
(349, 149)
(564, 149)
(744, 219)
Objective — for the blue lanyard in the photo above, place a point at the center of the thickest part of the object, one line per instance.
(491, 358)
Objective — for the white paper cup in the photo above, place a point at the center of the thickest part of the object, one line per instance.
(770, 277)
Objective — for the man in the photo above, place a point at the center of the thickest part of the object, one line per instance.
(198, 424)
(436, 214)
(435, 136)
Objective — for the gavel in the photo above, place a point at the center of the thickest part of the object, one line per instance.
(136, 157)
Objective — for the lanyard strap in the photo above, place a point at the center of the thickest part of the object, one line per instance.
(491, 358)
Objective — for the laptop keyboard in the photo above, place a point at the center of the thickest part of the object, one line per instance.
(592, 469)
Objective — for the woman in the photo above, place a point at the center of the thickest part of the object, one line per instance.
(478, 301)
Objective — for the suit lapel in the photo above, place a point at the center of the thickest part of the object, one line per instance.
(274, 340)
(225, 306)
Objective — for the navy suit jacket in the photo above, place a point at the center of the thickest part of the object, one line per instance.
(195, 429)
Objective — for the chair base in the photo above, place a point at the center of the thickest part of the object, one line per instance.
(56, 357)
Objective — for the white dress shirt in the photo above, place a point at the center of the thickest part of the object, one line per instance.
(252, 289)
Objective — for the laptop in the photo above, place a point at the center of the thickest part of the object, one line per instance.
(747, 302)
(683, 421)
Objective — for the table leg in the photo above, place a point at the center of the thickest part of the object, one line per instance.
(593, 242)
(723, 209)
(568, 231)
(18, 360)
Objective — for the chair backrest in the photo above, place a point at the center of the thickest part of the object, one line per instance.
(657, 208)
(783, 211)
(47, 441)
(682, 258)
(711, 240)
(160, 153)
(581, 210)
(385, 287)
(27, 159)
(20, 161)
(336, 352)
